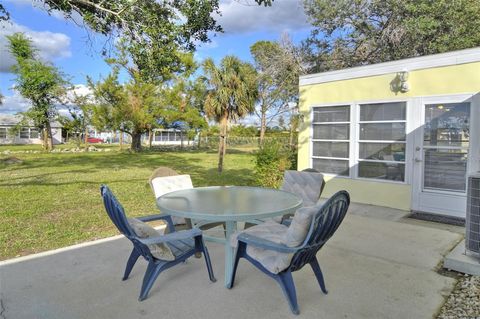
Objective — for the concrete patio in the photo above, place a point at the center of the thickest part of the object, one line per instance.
(378, 265)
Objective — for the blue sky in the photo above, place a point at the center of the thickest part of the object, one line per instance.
(65, 44)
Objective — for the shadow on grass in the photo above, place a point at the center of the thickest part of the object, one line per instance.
(103, 163)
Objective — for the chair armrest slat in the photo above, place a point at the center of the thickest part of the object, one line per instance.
(265, 243)
(150, 218)
(184, 234)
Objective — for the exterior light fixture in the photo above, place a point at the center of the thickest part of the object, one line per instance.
(403, 78)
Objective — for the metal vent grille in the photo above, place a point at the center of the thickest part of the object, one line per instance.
(472, 225)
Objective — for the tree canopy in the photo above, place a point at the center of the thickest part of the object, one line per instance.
(232, 93)
(278, 65)
(39, 82)
(354, 32)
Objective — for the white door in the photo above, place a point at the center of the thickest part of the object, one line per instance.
(441, 155)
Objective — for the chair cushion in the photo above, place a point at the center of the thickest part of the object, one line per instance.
(143, 230)
(300, 225)
(167, 184)
(307, 185)
(273, 261)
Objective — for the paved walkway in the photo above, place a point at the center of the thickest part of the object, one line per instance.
(376, 266)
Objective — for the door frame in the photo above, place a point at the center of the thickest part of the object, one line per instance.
(438, 202)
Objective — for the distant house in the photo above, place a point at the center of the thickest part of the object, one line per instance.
(27, 134)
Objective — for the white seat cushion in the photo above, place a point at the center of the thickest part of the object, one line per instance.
(143, 230)
(168, 184)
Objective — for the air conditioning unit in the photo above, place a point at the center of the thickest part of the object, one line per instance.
(472, 222)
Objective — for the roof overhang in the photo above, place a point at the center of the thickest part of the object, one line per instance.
(418, 63)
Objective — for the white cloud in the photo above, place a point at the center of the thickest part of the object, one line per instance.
(242, 16)
(14, 103)
(51, 45)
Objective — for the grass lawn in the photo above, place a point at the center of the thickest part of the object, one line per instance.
(53, 200)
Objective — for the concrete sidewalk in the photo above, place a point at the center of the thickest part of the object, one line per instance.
(373, 267)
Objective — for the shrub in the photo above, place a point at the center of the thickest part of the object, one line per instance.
(271, 160)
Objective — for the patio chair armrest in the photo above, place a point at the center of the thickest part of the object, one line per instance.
(265, 243)
(150, 218)
(165, 217)
(184, 234)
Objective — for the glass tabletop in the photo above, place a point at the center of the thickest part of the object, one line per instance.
(228, 203)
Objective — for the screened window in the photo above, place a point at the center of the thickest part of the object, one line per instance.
(34, 133)
(24, 132)
(331, 139)
(3, 132)
(382, 141)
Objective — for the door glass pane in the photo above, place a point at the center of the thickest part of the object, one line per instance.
(447, 124)
(383, 111)
(383, 151)
(331, 149)
(445, 169)
(331, 131)
(389, 171)
(382, 131)
(331, 114)
(339, 167)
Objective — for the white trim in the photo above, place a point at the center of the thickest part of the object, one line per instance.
(418, 63)
(331, 158)
(327, 140)
(380, 161)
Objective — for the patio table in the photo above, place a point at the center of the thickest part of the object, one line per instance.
(229, 204)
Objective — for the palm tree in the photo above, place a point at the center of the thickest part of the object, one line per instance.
(231, 94)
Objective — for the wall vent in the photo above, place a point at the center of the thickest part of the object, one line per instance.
(472, 223)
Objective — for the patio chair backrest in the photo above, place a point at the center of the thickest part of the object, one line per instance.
(117, 214)
(161, 171)
(306, 184)
(324, 224)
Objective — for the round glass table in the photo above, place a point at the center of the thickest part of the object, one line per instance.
(229, 204)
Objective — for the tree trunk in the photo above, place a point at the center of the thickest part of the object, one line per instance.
(44, 139)
(181, 140)
(136, 142)
(150, 138)
(263, 125)
(199, 139)
(222, 142)
(121, 140)
(86, 138)
(49, 141)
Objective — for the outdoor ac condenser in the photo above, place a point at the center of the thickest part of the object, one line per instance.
(472, 223)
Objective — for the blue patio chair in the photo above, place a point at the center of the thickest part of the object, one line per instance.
(275, 256)
(181, 244)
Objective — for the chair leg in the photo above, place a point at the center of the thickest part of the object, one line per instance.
(130, 263)
(288, 287)
(206, 255)
(318, 273)
(151, 275)
(238, 255)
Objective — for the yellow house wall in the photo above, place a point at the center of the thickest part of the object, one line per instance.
(456, 79)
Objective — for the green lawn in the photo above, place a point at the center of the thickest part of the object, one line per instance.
(53, 200)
